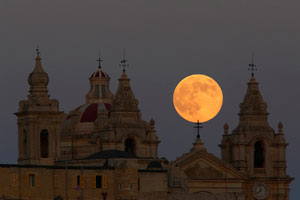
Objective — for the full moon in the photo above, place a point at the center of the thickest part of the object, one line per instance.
(198, 97)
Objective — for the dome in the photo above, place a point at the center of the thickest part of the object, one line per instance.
(89, 112)
(93, 115)
(99, 74)
(84, 118)
(99, 88)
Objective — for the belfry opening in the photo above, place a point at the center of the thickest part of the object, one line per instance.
(258, 155)
(44, 143)
(130, 146)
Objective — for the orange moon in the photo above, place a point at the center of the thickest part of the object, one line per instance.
(198, 97)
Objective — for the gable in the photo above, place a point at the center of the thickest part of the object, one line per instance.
(203, 165)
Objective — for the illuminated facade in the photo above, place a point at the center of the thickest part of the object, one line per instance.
(104, 150)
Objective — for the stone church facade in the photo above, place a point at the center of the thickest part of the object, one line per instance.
(105, 150)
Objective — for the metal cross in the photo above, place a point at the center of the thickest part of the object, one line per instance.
(99, 60)
(252, 66)
(198, 127)
(124, 62)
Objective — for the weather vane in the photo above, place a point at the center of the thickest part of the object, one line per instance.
(124, 62)
(252, 66)
(99, 60)
(37, 51)
(198, 127)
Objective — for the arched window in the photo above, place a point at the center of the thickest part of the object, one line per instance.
(259, 155)
(97, 91)
(44, 143)
(130, 146)
(103, 90)
(24, 142)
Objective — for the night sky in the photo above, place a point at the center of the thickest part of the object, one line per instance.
(165, 41)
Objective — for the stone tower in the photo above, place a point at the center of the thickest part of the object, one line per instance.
(131, 133)
(254, 148)
(124, 129)
(39, 121)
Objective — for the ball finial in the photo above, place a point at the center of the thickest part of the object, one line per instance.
(152, 123)
(226, 127)
(280, 126)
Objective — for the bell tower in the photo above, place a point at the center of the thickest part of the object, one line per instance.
(250, 145)
(130, 132)
(39, 121)
(254, 148)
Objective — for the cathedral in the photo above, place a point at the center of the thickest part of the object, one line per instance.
(103, 149)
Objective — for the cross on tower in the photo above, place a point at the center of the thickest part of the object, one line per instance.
(198, 127)
(99, 60)
(252, 66)
(124, 62)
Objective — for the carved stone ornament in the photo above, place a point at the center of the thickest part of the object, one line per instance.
(203, 172)
(253, 102)
(124, 98)
(226, 127)
(280, 126)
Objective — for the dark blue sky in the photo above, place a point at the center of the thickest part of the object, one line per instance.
(165, 41)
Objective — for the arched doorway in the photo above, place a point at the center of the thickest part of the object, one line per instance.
(259, 155)
(130, 145)
(44, 144)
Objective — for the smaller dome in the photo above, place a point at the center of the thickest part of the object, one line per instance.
(154, 164)
(99, 74)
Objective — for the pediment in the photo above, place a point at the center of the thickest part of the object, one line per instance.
(203, 165)
(202, 170)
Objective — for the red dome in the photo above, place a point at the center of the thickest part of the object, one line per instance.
(99, 74)
(89, 112)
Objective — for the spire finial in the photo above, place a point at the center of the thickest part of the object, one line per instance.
(226, 127)
(124, 61)
(99, 60)
(252, 66)
(280, 126)
(198, 127)
(37, 52)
